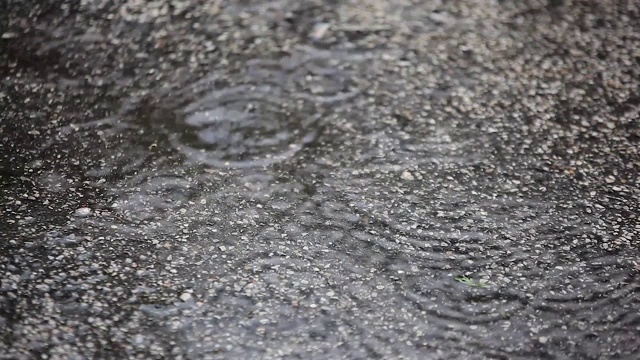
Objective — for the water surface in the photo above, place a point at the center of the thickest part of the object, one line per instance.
(411, 189)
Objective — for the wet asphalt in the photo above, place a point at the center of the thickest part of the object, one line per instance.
(319, 179)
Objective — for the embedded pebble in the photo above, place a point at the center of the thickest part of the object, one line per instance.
(82, 212)
(186, 296)
(406, 175)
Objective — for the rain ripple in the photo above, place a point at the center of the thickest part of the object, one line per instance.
(270, 111)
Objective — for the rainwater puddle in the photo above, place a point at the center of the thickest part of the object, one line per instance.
(362, 254)
(265, 116)
(288, 241)
(292, 212)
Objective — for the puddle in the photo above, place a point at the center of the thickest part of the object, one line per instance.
(285, 228)
(264, 117)
(324, 203)
(240, 127)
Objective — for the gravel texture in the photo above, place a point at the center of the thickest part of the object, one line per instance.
(319, 179)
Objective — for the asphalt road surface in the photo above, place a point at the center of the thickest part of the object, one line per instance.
(319, 179)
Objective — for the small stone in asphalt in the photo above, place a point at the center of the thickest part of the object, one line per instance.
(406, 175)
(82, 212)
(185, 297)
